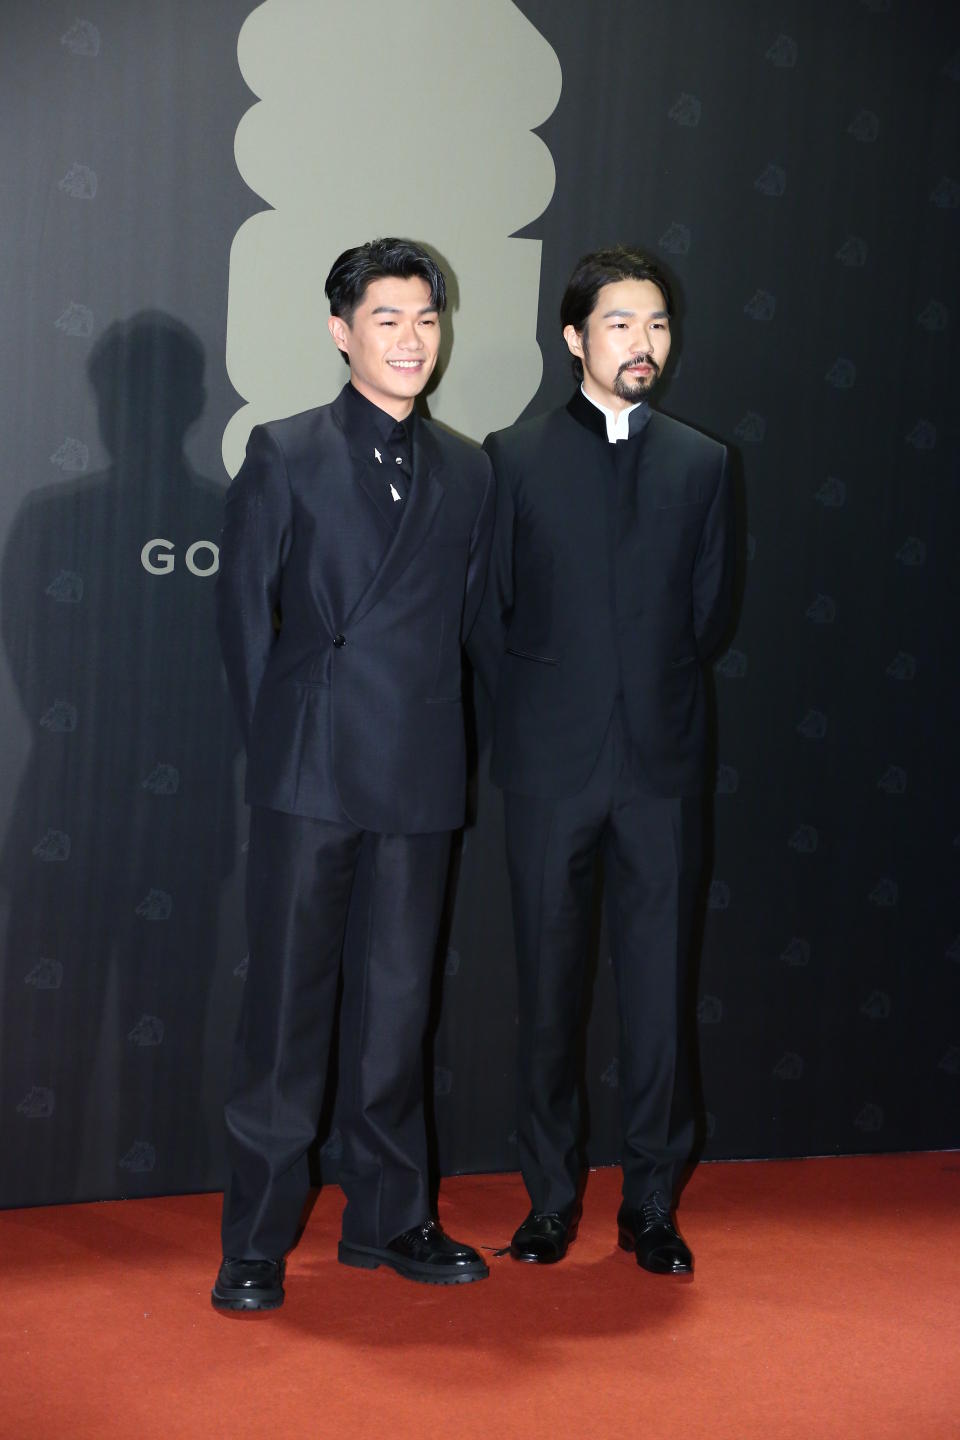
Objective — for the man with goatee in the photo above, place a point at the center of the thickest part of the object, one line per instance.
(609, 587)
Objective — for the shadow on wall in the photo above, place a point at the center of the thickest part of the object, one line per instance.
(123, 829)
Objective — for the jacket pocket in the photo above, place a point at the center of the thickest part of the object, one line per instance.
(529, 655)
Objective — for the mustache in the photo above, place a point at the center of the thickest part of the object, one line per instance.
(639, 360)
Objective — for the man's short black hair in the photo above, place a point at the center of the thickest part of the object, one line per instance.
(606, 267)
(354, 270)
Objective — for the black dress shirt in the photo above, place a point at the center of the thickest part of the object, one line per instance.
(389, 443)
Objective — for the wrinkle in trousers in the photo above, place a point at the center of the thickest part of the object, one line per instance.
(321, 894)
(651, 852)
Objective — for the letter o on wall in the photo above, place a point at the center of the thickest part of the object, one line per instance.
(203, 570)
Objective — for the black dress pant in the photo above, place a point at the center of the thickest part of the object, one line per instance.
(319, 892)
(651, 849)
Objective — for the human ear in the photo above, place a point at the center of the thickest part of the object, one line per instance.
(574, 341)
(340, 332)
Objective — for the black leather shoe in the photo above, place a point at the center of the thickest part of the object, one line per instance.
(543, 1238)
(423, 1253)
(649, 1231)
(248, 1285)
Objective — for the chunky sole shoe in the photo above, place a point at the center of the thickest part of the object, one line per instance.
(248, 1285)
(366, 1257)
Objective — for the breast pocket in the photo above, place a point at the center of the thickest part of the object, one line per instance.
(532, 655)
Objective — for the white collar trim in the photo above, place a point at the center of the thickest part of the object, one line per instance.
(618, 425)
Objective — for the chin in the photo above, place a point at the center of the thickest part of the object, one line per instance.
(637, 392)
(408, 378)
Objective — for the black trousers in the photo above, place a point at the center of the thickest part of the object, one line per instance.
(320, 893)
(651, 849)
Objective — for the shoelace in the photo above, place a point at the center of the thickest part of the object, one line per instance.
(655, 1209)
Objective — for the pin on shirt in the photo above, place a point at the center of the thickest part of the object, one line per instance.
(395, 493)
(376, 455)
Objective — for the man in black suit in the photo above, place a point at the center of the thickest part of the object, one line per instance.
(609, 586)
(353, 559)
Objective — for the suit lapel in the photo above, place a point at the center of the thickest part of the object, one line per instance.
(365, 474)
(419, 512)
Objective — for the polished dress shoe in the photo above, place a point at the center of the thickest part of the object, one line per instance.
(248, 1285)
(648, 1230)
(423, 1253)
(543, 1237)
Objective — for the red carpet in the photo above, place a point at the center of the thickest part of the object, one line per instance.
(826, 1304)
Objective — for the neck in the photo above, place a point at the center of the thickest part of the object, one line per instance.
(607, 398)
(399, 406)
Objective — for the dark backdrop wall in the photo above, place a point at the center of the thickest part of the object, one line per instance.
(797, 167)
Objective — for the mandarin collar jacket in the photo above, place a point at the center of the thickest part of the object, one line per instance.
(610, 575)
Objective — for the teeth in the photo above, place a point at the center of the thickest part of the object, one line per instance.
(405, 364)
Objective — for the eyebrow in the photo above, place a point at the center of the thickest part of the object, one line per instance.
(629, 314)
(396, 310)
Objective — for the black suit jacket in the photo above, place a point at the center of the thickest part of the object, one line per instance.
(610, 574)
(341, 631)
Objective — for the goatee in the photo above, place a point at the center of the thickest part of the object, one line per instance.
(631, 387)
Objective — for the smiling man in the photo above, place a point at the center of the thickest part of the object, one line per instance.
(352, 563)
(609, 587)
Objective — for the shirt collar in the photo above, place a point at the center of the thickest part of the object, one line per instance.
(364, 417)
(618, 424)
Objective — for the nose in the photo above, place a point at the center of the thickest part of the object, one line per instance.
(410, 337)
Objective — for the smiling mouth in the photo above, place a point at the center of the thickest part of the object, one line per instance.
(405, 364)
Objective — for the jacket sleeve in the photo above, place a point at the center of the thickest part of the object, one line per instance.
(479, 555)
(254, 544)
(488, 639)
(713, 568)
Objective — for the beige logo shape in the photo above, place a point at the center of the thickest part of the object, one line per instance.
(377, 121)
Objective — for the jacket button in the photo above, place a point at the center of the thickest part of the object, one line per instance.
(339, 641)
